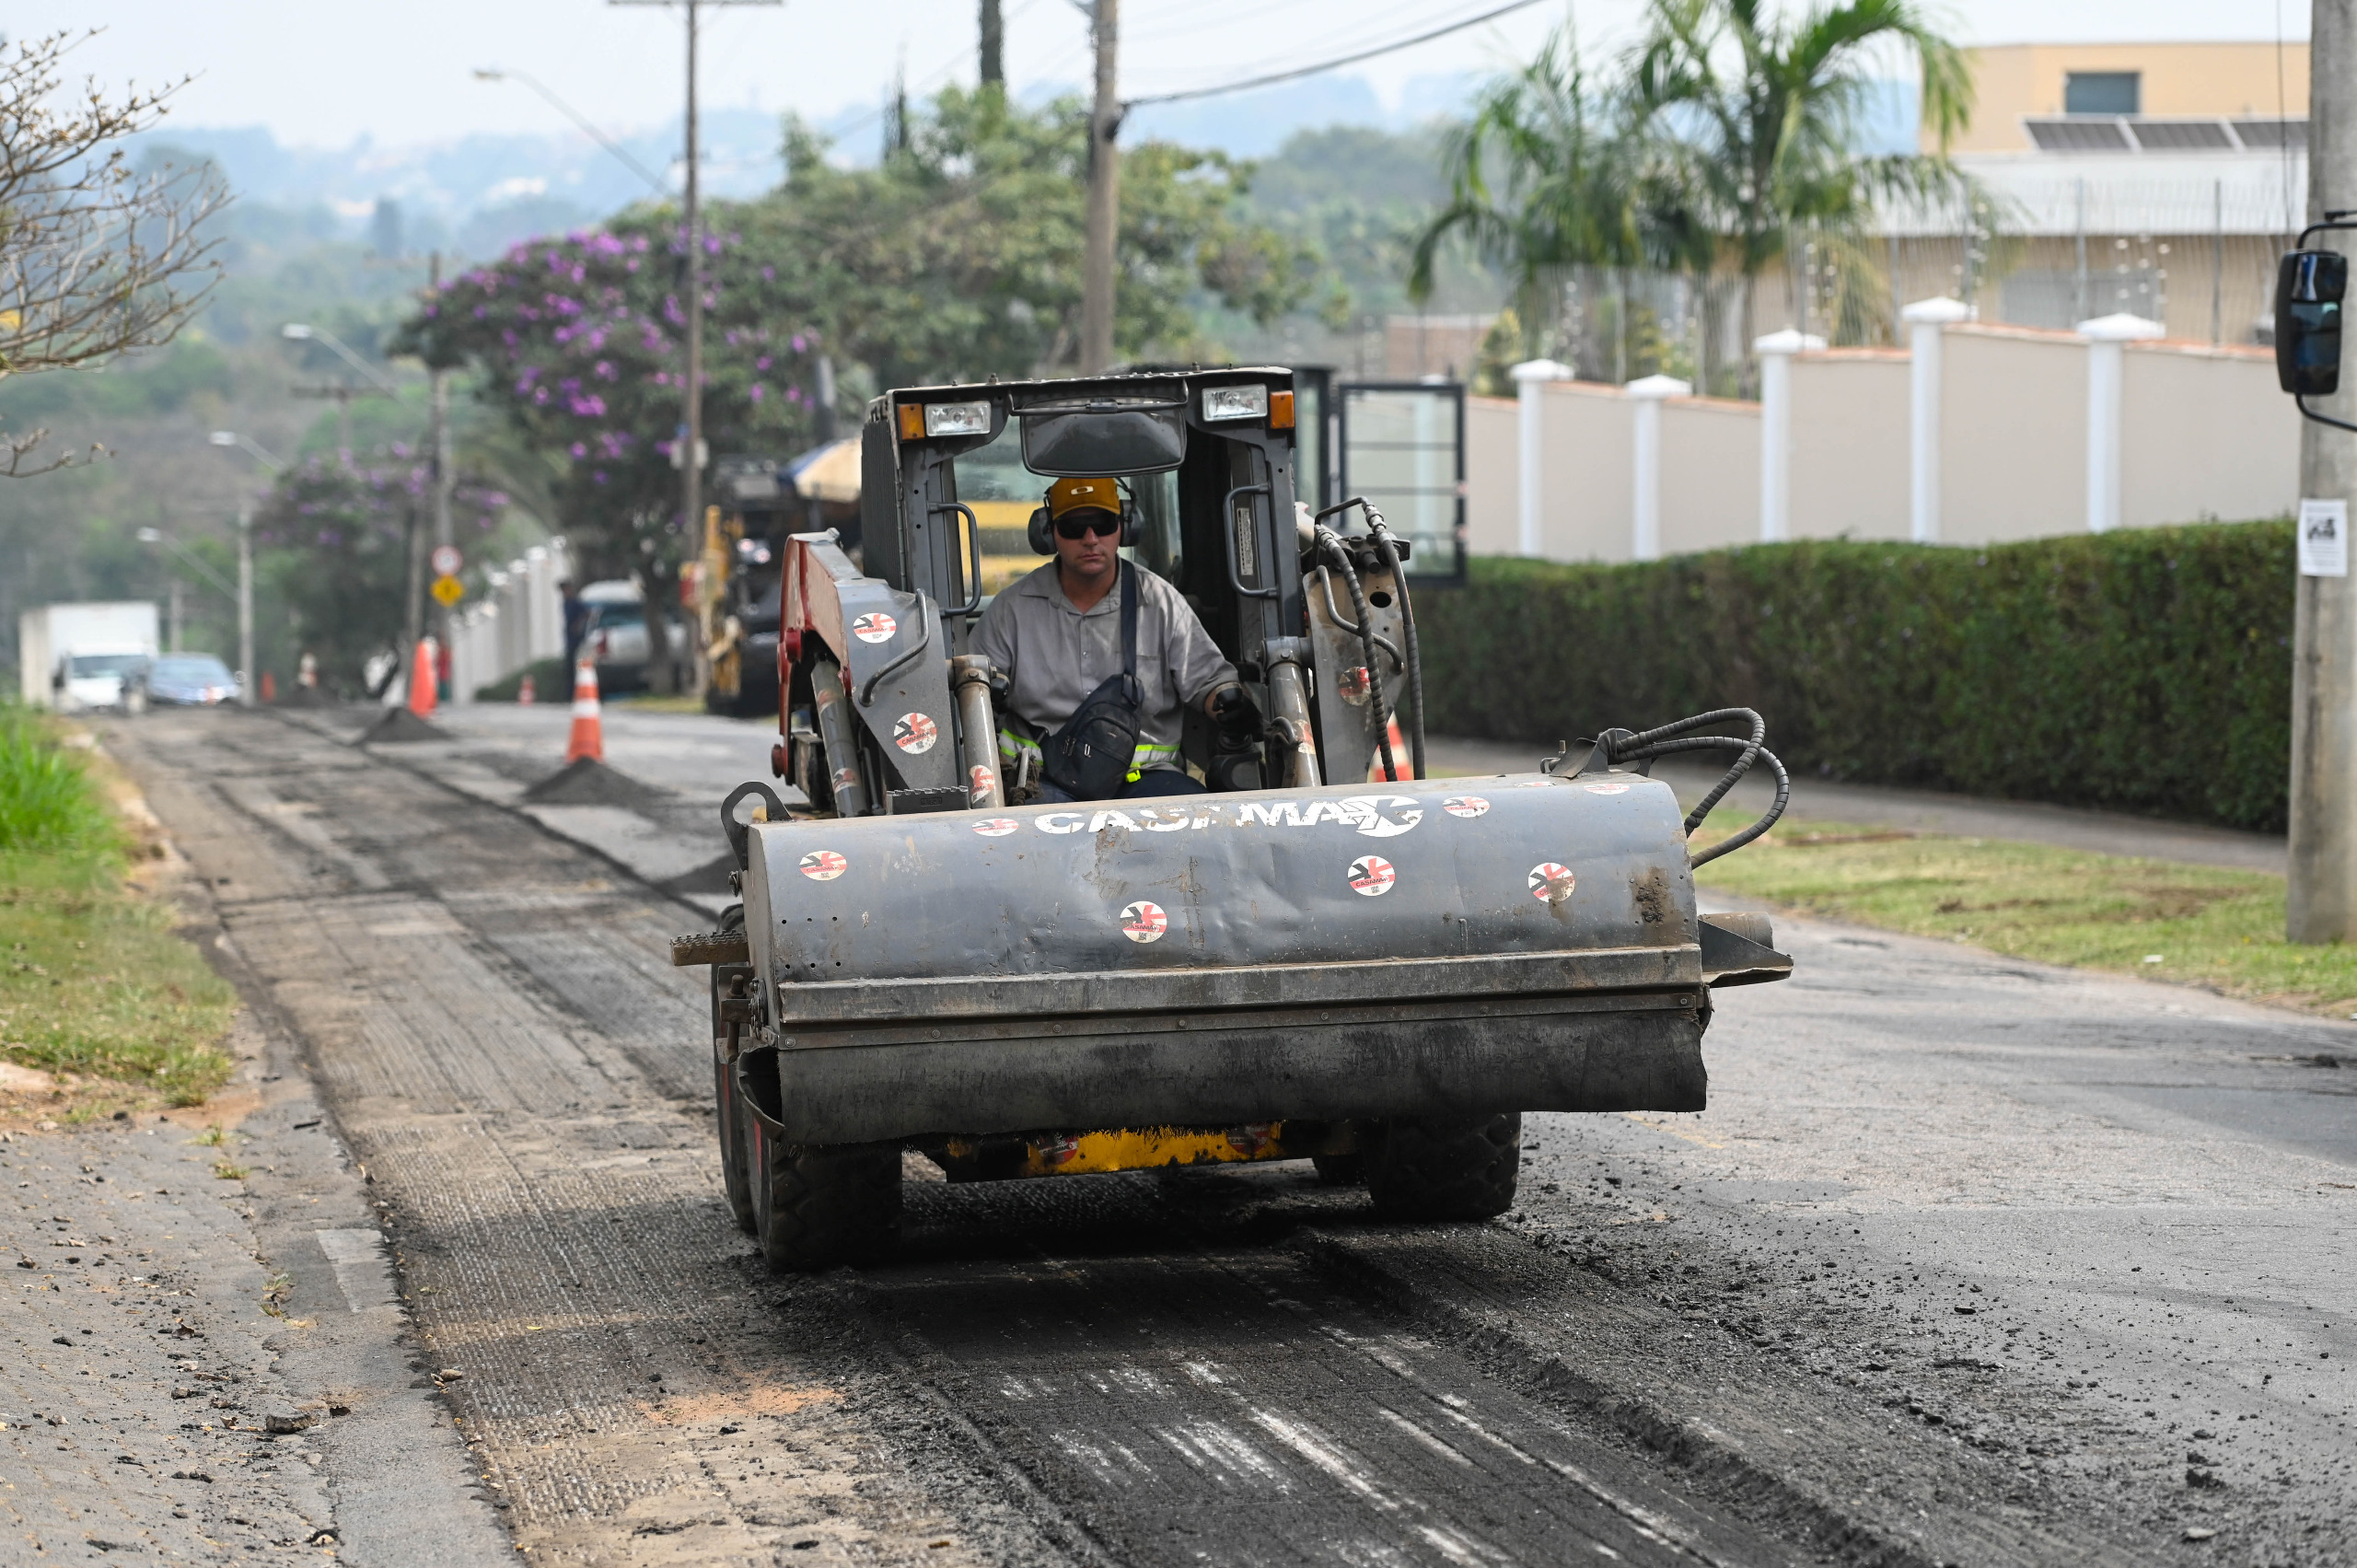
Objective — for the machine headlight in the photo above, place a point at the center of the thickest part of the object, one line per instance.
(957, 418)
(1235, 403)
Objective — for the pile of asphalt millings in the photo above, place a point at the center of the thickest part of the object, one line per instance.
(400, 726)
(588, 781)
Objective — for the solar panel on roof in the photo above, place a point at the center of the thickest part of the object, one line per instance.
(2079, 136)
(2182, 135)
(2272, 133)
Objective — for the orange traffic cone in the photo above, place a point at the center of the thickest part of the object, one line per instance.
(589, 729)
(421, 679)
(1399, 760)
(525, 691)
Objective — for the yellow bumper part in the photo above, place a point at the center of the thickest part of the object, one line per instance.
(1137, 1148)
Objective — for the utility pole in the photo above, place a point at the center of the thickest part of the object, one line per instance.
(2322, 906)
(1104, 195)
(691, 460)
(438, 407)
(250, 692)
(690, 452)
(993, 46)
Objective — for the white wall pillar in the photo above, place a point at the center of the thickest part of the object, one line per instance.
(1644, 532)
(540, 577)
(1775, 351)
(1529, 380)
(1926, 319)
(2107, 374)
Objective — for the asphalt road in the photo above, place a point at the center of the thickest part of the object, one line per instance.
(1969, 1262)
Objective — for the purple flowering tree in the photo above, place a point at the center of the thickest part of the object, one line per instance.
(579, 341)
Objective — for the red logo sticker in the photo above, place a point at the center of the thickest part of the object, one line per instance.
(1372, 876)
(1551, 883)
(1252, 1138)
(823, 864)
(1465, 805)
(1060, 1149)
(1143, 922)
(846, 778)
(1613, 788)
(1351, 684)
(981, 781)
(875, 627)
(914, 734)
(997, 827)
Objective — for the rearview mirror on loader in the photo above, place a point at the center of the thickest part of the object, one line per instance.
(2309, 286)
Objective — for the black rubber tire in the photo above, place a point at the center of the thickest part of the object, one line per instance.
(1340, 1170)
(736, 1152)
(736, 1157)
(815, 1206)
(1452, 1169)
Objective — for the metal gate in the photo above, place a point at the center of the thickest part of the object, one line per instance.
(1401, 444)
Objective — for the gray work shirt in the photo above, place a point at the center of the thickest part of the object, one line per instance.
(1054, 655)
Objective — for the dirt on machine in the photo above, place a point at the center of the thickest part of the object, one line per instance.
(1325, 955)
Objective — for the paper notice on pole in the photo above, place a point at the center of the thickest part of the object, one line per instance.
(2324, 538)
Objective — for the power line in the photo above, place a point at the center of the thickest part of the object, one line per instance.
(1323, 65)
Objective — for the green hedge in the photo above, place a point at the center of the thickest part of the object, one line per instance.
(2146, 671)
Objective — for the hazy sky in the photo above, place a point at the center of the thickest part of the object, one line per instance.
(325, 72)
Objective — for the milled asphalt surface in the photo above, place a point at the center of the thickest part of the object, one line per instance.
(1970, 1261)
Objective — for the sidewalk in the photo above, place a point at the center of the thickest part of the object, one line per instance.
(1924, 811)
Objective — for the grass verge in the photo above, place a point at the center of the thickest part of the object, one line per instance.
(2159, 919)
(95, 988)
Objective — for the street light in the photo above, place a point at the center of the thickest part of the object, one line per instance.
(245, 562)
(343, 392)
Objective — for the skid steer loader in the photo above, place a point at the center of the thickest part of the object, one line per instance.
(1380, 977)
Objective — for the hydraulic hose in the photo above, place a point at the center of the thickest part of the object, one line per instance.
(1391, 553)
(1332, 543)
(1622, 746)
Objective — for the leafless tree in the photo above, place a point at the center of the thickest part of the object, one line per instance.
(96, 258)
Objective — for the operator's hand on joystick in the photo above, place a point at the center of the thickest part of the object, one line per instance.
(1235, 716)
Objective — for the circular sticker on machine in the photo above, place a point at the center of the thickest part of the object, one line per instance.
(980, 781)
(997, 827)
(914, 734)
(1551, 883)
(1614, 788)
(875, 627)
(1144, 921)
(1372, 876)
(846, 779)
(823, 864)
(1465, 805)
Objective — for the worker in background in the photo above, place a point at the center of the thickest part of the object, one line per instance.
(577, 622)
(1056, 635)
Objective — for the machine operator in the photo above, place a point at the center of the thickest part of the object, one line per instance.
(1056, 634)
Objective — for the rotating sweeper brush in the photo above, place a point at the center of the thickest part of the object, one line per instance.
(1379, 976)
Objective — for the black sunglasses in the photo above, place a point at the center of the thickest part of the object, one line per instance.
(1079, 527)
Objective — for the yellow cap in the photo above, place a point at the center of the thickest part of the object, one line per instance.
(1083, 495)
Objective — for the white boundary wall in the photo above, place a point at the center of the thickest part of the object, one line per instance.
(518, 620)
(2205, 434)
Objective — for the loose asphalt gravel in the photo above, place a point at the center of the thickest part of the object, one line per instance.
(1970, 1261)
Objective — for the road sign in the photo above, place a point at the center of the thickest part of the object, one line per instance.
(448, 590)
(446, 561)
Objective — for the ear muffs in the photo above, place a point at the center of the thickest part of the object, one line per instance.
(1042, 533)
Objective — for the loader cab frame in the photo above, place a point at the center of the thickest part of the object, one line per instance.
(1211, 527)
(1208, 457)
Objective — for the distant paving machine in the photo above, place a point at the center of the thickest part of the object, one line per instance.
(1380, 977)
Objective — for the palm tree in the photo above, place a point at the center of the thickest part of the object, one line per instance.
(1540, 178)
(1754, 113)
